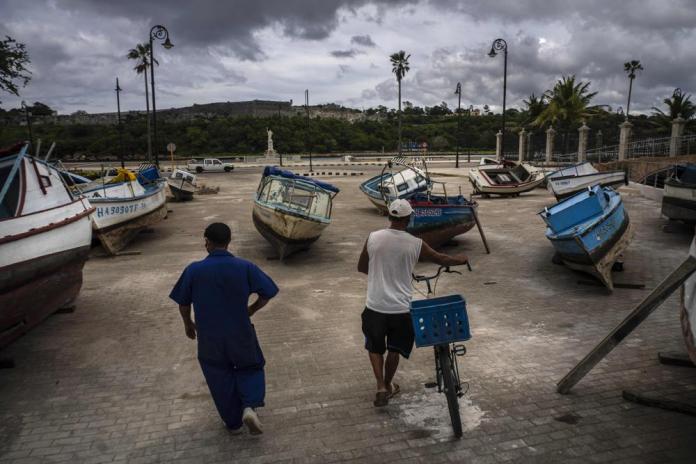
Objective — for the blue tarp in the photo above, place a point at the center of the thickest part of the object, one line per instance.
(275, 171)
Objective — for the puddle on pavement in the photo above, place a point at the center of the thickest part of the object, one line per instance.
(428, 411)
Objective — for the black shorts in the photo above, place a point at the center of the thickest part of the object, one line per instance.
(393, 332)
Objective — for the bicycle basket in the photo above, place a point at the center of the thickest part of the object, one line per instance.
(440, 320)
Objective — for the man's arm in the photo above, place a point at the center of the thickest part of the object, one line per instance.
(428, 254)
(364, 261)
(258, 304)
(189, 326)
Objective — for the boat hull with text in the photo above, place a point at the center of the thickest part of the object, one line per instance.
(571, 180)
(438, 219)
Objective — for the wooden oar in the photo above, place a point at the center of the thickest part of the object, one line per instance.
(633, 320)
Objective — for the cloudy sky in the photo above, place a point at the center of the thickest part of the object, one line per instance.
(338, 49)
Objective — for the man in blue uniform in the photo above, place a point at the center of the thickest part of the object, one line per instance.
(229, 353)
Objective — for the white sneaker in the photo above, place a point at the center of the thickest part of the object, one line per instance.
(251, 420)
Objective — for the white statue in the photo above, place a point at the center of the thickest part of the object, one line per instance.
(270, 149)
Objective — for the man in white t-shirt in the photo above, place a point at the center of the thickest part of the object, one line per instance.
(388, 258)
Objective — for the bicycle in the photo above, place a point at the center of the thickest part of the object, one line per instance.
(440, 322)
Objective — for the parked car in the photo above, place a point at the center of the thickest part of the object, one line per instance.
(208, 165)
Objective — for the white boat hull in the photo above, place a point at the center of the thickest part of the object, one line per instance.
(482, 185)
(688, 310)
(567, 186)
(43, 248)
(286, 232)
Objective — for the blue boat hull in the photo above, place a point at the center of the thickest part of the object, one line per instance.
(437, 223)
(594, 247)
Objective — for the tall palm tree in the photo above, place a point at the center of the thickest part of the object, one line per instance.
(141, 53)
(630, 67)
(400, 67)
(568, 104)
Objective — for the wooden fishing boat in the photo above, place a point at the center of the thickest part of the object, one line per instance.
(182, 184)
(291, 211)
(125, 205)
(500, 179)
(573, 179)
(45, 236)
(397, 180)
(679, 199)
(688, 310)
(437, 219)
(589, 231)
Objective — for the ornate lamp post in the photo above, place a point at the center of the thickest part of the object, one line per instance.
(501, 45)
(458, 92)
(159, 33)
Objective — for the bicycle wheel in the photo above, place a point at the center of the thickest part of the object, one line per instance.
(450, 382)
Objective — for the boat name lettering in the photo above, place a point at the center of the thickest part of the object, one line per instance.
(113, 210)
(428, 212)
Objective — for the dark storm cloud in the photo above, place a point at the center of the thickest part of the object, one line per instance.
(363, 40)
(77, 47)
(345, 53)
(234, 23)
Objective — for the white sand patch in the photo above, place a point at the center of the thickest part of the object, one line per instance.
(428, 410)
(210, 218)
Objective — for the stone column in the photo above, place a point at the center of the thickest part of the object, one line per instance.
(499, 145)
(583, 132)
(529, 145)
(522, 146)
(677, 132)
(550, 134)
(624, 138)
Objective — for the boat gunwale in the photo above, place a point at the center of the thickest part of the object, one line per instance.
(149, 192)
(553, 179)
(47, 227)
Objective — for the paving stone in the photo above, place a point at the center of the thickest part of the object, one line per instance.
(117, 381)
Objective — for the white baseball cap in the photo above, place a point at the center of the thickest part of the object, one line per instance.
(400, 208)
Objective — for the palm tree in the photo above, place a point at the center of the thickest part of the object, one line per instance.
(630, 67)
(141, 53)
(535, 106)
(400, 67)
(678, 105)
(568, 104)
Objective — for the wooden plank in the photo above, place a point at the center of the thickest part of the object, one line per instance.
(669, 405)
(675, 359)
(480, 229)
(633, 320)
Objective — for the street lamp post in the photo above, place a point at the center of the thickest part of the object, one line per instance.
(468, 150)
(120, 129)
(458, 92)
(162, 34)
(27, 116)
(501, 45)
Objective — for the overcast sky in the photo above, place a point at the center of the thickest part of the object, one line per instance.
(339, 50)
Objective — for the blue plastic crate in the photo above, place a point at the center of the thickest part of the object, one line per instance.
(440, 320)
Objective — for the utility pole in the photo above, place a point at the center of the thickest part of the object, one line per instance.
(27, 116)
(458, 91)
(120, 128)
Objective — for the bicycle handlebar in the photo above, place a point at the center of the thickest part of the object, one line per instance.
(440, 270)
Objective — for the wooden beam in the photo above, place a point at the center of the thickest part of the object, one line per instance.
(675, 359)
(633, 320)
(480, 229)
(669, 405)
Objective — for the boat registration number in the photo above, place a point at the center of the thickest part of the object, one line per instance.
(431, 212)
(116, 210)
